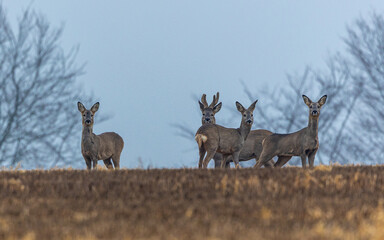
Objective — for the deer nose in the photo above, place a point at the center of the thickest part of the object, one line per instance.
(249, 121)
(314, 112)
(87, 121)
(207, 119)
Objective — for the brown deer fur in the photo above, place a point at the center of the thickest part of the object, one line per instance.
(303, 143)
(105, 146)
(212, 138)
(208, 116)
(253, 145)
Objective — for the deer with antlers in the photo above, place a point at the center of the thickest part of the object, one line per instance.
(105, 146)
(208, 116)
(303, 143)
(213, 138)
(252, 146)
(208, 111)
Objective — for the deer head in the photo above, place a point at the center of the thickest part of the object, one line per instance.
(208, 112)
(314, 107)
(87, 115)
(247, 114)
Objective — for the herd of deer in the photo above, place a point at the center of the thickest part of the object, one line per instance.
(241, 144)
(223, 144)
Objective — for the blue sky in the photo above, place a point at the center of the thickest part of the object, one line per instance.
(146, 59)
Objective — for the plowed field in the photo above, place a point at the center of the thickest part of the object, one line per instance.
(288, 203)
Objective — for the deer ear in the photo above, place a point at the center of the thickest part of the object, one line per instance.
(81, 107)
(322, 100)
(307, 100)
(217, 108)
(252, 107)
(240, 107)
(201, 106)
(95, 107)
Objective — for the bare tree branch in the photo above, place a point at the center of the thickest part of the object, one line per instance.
(38, 94)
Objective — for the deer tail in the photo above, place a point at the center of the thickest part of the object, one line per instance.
(200, 139)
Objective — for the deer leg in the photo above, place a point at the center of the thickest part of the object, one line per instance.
(224, 161)
(304, 160)
(116, 161)
(108, 163)
(311, 158)
(269, 164)
(282, 160)
(201, 154)
(235, 157)
(264, 158)
(217, 157)
(89, 163)
(208, 158)
(227, 164)
(94, 164)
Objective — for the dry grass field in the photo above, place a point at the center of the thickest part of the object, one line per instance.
(288, 203)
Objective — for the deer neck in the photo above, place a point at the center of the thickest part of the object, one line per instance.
(244, 130)
(87, 133)
(313, 126)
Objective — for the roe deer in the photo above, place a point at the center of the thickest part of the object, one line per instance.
(212, 138)
(252, 146)
(208, 116)
(303, 143)
(208, 112)
(105, 146)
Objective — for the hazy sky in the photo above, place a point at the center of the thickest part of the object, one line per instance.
(145, 59)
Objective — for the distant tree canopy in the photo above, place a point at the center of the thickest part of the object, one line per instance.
(351, 126)
(38, 94)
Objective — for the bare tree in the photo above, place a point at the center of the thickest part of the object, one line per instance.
(365, 45)
(38, 94)
(350, 129)
(284, 112)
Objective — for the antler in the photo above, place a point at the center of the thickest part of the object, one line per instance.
(204, 100)
(215, 100)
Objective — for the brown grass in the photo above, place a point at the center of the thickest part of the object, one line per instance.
(289, 203)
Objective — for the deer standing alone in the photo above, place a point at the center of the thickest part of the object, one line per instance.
(105, 146)
(253, 145)
(212, 138)
(303, 143)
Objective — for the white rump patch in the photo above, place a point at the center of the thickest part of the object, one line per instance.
(200, 139)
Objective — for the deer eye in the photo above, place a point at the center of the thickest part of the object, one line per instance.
(83, 115)
(251, 115)
(203, 114)
(310, 106)
(212, 114)
(91, 115)
(244, 115)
